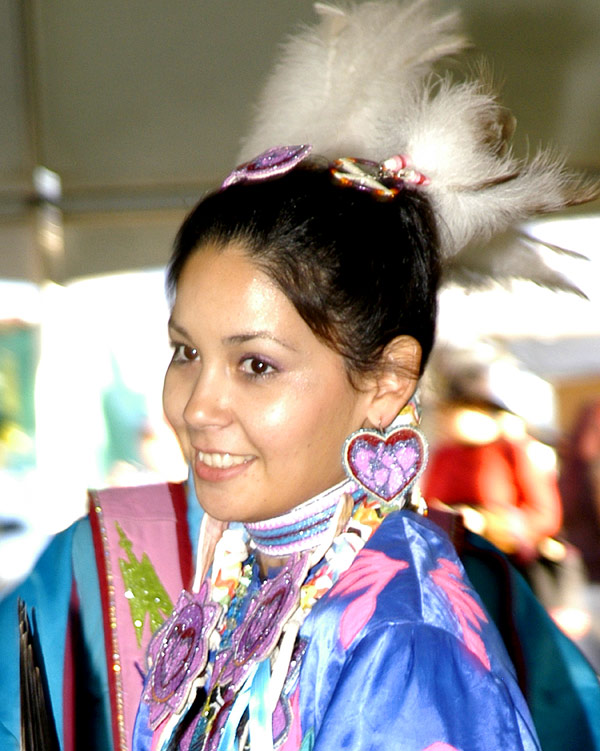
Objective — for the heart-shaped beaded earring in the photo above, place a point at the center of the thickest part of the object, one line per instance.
(386, 465)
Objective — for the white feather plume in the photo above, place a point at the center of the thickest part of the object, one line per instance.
(362, 83)
(336, 83)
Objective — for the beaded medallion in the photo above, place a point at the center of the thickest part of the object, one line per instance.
(178, 652)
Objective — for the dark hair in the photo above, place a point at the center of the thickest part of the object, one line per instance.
(359, 270)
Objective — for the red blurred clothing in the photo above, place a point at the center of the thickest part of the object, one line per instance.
(498, 477)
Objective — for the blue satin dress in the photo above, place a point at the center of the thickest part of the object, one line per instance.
(400, 654)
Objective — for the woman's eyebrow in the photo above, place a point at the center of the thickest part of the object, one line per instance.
(176, 327)
(243, 338)
(236, 338)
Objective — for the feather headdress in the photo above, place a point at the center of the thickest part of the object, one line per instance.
(363, 83)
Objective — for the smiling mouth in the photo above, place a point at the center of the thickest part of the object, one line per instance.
(223, 461)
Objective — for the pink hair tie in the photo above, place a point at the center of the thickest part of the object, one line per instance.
(375, 178)
(398, 167)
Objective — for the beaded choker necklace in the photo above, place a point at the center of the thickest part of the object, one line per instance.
(305, 526)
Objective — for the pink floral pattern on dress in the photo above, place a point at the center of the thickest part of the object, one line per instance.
(466, 608)
(370, 573)
(439, 746)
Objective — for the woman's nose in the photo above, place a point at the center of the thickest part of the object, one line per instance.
(208, 403)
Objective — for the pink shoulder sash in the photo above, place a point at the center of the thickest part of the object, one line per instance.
(144, 560)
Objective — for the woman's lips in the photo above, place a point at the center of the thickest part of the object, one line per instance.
(217, 466)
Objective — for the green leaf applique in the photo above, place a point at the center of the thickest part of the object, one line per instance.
(143, 589)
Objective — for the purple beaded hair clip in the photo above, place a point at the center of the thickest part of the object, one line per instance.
(271, 163)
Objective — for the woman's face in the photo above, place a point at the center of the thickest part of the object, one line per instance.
(261, 407)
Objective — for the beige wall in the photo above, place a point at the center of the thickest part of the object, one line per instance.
(571, 395)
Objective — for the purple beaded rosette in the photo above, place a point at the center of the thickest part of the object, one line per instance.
(178, 652)
(271, 163)
(256, 636)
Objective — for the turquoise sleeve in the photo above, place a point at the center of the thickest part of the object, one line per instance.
(46, 592)
(97, 730)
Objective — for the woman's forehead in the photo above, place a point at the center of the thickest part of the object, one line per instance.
(221, 288)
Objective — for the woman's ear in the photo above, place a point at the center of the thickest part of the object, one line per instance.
(395, 382)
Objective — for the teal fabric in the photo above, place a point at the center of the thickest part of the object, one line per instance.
(195, 512)
(47, 593)
(97, 731)
(561, 687)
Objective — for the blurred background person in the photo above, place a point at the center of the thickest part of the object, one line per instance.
(488, 466)
(579, 482)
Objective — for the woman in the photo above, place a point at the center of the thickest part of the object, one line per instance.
(263, 399)
(320, 615)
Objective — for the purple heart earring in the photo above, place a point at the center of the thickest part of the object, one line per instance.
(388, 464)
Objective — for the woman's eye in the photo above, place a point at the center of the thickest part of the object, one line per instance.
(256, 366)
(184, 353)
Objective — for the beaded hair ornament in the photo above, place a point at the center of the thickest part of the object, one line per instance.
(383, 180)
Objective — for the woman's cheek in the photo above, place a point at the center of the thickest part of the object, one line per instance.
(278, 418)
